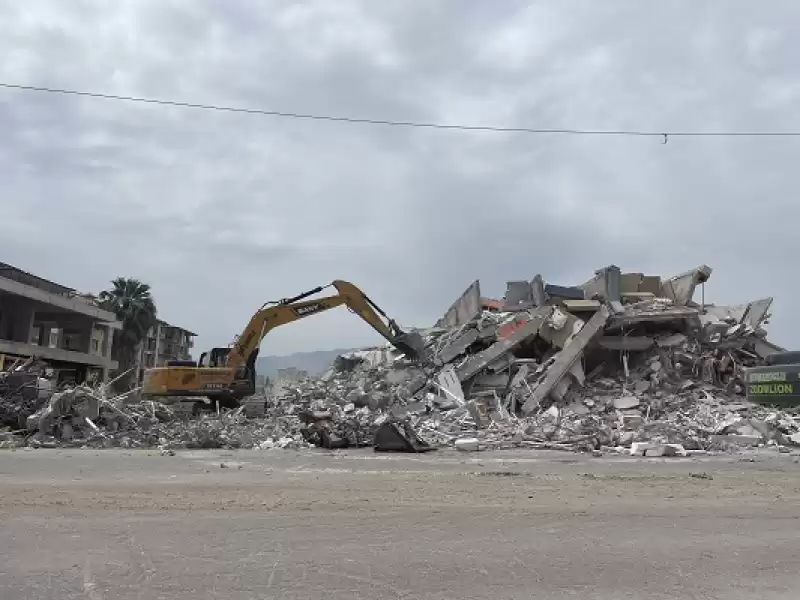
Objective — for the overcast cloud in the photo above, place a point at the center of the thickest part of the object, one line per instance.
(220, 212)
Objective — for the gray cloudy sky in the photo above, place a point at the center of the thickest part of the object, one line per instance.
(220, 212)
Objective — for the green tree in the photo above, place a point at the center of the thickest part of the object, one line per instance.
(132, 302)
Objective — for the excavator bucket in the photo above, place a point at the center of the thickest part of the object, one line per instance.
(399, 437)
(412, 345)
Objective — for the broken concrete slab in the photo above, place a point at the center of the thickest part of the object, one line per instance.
(464, 308)
(471, 444)
(651, 283)
(457, 347)
(450, 385)
(566, 358)
(630, 419)
(633, 283)
(566, 292)
(519, 296)
(728, 314)
(581, 306)
(626, 402)
(655, 314)
(653, 449)
(713, 331)
(605, 285)
(632, 343)
(680, 288)
(629, 282)
(537, 291)
(401, 376)
(501, 363)
(633, 297)
(493, 380)
(756, 312)
(507, 328)
(560, 328)
(575, 376)
(416, 384)
(526, 330)
(579, 408)
(764, 348)
(488, 332)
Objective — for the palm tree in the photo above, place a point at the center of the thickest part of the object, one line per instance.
(132, 302)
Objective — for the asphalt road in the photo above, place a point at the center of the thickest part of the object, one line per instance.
(118, 525)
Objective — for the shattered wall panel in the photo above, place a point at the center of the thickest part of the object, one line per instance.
(464, 308)
(680, 288)
(756, 312)
(565, 359)
(502, 347)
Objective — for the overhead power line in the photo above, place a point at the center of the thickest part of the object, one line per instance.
(393, 123)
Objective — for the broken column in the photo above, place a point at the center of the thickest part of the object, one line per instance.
(464, 308)
(565, 359)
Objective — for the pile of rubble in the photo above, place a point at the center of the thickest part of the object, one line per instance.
(620, 361)
(623, 363)
(84, 417)
(23, 391)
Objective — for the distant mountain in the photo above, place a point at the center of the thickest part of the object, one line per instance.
(315, 363)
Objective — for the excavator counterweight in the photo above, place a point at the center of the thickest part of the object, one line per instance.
(228, 374)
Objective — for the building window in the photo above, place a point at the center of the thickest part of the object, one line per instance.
(95, 345)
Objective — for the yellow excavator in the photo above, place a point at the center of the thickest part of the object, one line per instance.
(226, 375)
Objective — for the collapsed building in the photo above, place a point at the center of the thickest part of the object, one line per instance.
(625, 362)
(548, 337)
(622, 360)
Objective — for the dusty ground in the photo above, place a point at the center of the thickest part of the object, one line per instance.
(103, 525)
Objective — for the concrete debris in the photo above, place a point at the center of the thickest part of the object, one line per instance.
(76, 403)
(626, 401)
(657, 450)
(468, 444)
(625, 363)
(23, 391)
(398, 436)
(626, 358)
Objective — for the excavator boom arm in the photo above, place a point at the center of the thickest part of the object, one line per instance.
(365, 308)
(292, 309)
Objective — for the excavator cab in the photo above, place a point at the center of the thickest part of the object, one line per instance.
(217, 357)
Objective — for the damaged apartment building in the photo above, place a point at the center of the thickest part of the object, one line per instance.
(164, 343)
(56, 324)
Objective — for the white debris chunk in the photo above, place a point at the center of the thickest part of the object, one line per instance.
(624, 402)
(468, 444)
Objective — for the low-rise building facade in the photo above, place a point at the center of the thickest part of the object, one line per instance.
(56, 324)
